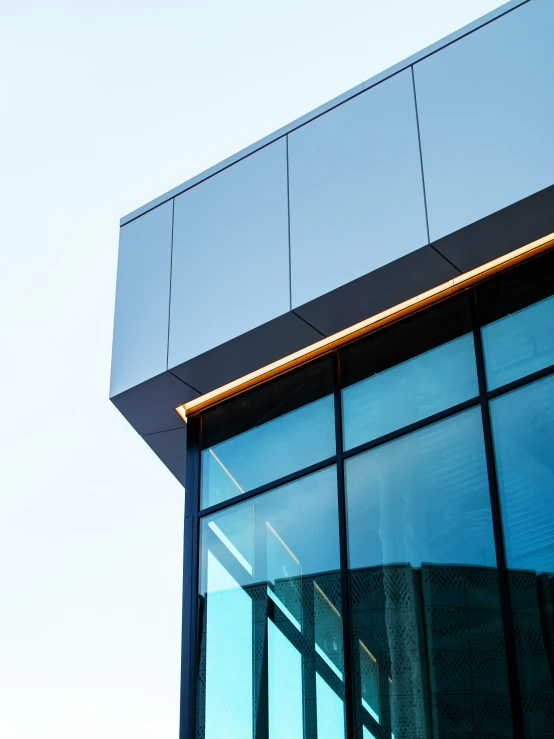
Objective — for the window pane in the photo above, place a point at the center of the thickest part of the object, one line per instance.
(422, 498)
(427, 629)
(271, 615)
(523, 426)
(410, 371)
(268, 433)
(517, 309)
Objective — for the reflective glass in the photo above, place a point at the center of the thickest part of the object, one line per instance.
(517, 309)
(271, 655)
(427, 635)
(523, 428)
(408, 372)
(268, 433)
(519, 344)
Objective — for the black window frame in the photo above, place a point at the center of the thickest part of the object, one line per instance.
(194, 514)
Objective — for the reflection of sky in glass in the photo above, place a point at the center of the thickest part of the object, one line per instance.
(284, 686)
(228, 656)
(519, 344)
(299, 524)
(330, 711)
(523, 428)
(422, 498)
(268, 452)
(276, 539)
(408, 392)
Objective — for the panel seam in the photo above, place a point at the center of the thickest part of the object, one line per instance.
(170, 282)
(423, 176)
(288, 220)
(420, 157)
(185, 383)
(308, 323)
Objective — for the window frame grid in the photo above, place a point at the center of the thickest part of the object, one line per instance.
(193, 515)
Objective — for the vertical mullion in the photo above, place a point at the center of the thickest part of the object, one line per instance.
(503, 575)
(189, 638)
(349, 700)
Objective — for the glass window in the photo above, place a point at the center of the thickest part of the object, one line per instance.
(422, 498)
(410, 371)
(268, 433)
(517, 309)
(427, 636)
(271, 655)
(523, 429)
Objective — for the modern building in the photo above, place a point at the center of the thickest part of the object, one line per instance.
(341, 342)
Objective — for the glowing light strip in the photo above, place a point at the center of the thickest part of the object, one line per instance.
(364, 327)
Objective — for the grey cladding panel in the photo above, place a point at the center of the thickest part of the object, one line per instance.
(230, 255)
(356, 194)
(486, 114)
(142, 299)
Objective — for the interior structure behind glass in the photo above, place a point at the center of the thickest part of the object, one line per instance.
(376, 538)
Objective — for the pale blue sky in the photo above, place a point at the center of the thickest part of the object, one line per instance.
(104, 106)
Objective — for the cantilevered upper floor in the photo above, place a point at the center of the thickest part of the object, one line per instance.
(416, 176)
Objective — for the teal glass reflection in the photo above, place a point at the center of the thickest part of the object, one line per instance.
(271, 615)
(519, 344)
(229, 625)
(419, 387)
(422, 498)
(268, 452)
(523, 428)
(428, 642)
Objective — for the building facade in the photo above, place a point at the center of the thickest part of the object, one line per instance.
(341, 342)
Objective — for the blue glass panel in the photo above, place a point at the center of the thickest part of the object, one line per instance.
(330, 711)
(523, 427)
(228, 656)
(519, 344)
(422, 498)
(268, 452)
(271, 615)
(424, 385)
(284, 686)
(429, 645)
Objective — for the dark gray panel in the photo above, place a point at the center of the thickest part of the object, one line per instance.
(247, 352)
(171, 448)
(142, 299)
(508, 229)
(486, 112)
(356, 194)
(150, 406)
(385, 287)
(230, 255)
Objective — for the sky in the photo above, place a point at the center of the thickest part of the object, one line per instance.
(104, 105)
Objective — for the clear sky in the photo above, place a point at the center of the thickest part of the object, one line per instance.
(105, 105)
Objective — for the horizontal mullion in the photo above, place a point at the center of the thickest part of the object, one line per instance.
(515, 384)
(427, 421)
(268, 486)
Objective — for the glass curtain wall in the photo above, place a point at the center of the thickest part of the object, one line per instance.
(375, 533)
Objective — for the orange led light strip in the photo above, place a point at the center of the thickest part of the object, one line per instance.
(364, 327)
